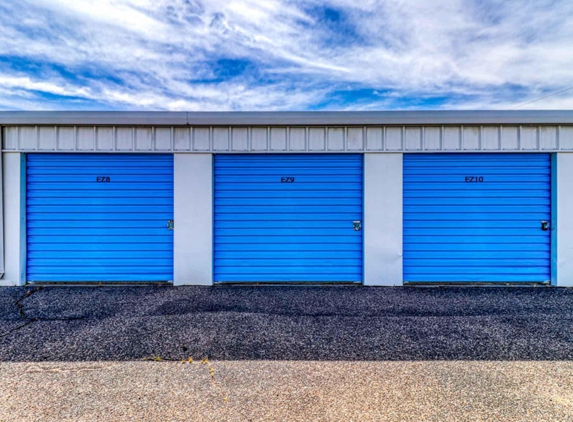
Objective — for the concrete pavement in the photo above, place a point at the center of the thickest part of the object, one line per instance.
(438, 391)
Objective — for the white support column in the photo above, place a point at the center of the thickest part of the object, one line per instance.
(193, 214)
(1, 208)
(14, 179)
(562, 253)
(383, 220)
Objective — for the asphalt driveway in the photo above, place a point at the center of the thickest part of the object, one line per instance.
(285, 323)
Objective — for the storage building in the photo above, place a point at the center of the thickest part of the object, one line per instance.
(377, 198)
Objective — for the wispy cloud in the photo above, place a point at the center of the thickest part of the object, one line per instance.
(281, 54)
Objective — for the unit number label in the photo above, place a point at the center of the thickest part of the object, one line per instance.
(287, 179)
(102, 179)
(475, 179)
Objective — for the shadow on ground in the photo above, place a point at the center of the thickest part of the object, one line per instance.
(285, 323)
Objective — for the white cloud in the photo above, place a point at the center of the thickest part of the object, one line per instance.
(162, 54)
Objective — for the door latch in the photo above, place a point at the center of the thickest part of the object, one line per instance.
(170, 225)
(544, 225)
(357, 225)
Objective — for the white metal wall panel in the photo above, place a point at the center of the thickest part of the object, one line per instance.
(279, 139)
(565, 138)
(563, 201)
(241, 139)
(193, 212)
(383, 215)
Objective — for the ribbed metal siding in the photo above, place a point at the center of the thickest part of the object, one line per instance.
(289, 139)
(486, 231)
(79, 229)
(268, 230)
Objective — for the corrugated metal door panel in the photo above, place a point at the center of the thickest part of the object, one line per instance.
(288, 218)
(477, 217)
(81, 229)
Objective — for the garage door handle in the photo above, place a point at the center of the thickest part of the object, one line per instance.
(357, 225)
(170, 225)
(545, 225)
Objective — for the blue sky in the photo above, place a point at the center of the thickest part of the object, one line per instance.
(285, 55)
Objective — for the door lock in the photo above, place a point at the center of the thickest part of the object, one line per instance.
(170, 225)
(544, 225)
(357, 225)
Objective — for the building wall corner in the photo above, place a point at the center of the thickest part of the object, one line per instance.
(14, 201)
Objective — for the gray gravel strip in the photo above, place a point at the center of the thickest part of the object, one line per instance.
(287, 323)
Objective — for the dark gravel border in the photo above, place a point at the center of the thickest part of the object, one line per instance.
(285, 323)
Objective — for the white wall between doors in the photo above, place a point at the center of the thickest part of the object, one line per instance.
(563, 216)
(383, 219)
(193, 217)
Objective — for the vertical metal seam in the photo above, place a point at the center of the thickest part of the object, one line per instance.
(249, 140)
(519, 145)
(384, 138)
(37, 129)
(75, 138)
(480, 145)
(441, 138)
(558, 138)
(211, 142)
(133, 139)
(192, 146)
(499, 138)
(462, 139)
(423, 137)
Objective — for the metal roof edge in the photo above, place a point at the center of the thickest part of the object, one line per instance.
(288, 118)
(112, 118)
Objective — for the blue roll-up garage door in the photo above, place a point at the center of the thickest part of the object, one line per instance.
(477, 217)
(99, 217)
(288, 218)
